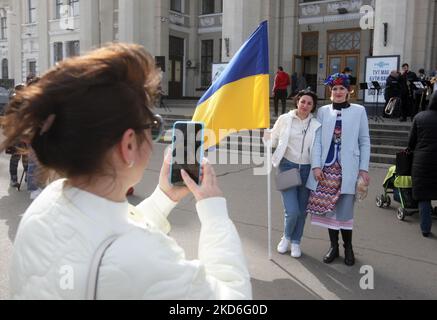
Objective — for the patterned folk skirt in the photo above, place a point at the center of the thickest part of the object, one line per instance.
(327, 206)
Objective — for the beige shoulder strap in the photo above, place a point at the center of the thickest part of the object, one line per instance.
(93, 274)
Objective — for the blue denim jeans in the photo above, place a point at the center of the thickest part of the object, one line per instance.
(295, 203)
(32, 183)
(425, 208)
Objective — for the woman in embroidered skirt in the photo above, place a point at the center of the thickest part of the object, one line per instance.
(293, 135)
(341, 155)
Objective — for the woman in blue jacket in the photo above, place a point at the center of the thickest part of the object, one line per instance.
(341, 155)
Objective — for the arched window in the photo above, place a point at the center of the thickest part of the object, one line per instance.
(5, 69)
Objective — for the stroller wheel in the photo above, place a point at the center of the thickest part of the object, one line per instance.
(401, 214)
(387, 201)
(380, 201)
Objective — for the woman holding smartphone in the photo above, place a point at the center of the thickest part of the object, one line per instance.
(90, 120)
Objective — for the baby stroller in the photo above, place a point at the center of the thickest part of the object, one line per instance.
(402, 190)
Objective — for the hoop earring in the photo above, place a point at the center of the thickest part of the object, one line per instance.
(131, 165)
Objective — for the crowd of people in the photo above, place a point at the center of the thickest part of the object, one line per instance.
(402, 89)
(89, 122)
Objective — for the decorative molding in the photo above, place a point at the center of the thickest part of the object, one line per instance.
(311, 10)
(333, 18)
(349, 5)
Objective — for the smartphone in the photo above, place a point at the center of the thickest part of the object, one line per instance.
(187, 151)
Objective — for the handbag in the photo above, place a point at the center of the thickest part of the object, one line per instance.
(291, 178)
(404, 163)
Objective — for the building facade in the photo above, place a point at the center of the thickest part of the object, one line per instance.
(310, 38)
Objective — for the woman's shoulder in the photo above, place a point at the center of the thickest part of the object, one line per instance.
(359, 107)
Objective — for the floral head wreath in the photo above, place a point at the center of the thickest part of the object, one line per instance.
(338, 79)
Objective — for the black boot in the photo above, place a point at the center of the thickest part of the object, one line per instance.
(333, 252)
(349, 256)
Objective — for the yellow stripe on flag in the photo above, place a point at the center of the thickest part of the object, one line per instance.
(243, 104)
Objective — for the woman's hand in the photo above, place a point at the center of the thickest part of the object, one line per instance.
(209, 187)
(365, 176)
(176, 194)
(318, 174)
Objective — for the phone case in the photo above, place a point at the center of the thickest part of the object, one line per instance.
(173, 145)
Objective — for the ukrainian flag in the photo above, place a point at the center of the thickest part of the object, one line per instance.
(239, 99)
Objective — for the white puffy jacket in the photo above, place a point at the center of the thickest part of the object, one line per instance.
(63, 228)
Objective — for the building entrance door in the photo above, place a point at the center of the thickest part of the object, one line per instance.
(306, 69)
(176, 67)
(337, 63)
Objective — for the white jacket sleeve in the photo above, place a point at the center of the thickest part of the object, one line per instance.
(275, 132)
(156, 209)
(146, 264)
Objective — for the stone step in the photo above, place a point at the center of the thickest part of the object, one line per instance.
(390, 142)
(389, 134)
(383, 158)
(388, 150)
(391, 126)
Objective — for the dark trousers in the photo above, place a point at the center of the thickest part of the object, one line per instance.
(13, 165)
(281, 95)
(425, 208)
(406, 107)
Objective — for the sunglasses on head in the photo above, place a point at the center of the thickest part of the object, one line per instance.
(156, 127)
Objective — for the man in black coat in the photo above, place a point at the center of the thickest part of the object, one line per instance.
(423, 143)
(407, 92)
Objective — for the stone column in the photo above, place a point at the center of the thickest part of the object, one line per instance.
(409, 30)
(106, 20)
(15, 42)
(240, 19)
(90, 36)
(43, 36)
(290, 34)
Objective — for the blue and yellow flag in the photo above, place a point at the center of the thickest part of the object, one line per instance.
(239, 99)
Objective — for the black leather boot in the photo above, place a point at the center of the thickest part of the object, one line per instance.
(333, 252)
(349, 256)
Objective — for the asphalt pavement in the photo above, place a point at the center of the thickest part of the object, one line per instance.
(392, 256)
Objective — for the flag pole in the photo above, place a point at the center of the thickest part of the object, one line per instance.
(269, 197)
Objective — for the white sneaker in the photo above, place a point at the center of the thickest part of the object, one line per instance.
(35, 194)
(296, 252)
(283, 246)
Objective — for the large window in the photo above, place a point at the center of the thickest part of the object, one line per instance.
(73, 48)
(3, 28)
(208, 6)
(58, 51)
(5, 69)
(207, 58)
(74, 7)
(31, 68)
(59, 4)
(31, 18)
(176, 5)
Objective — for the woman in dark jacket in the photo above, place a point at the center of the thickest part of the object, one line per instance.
(423, 142)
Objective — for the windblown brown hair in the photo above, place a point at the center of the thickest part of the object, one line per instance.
(95, 99)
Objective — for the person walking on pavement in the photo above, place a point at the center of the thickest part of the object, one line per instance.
(282, 81)
(340, 158)
(293, 135)
(423, 144)
(90, 119)
(17, 152)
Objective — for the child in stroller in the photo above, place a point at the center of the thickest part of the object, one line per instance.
(402, 190)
